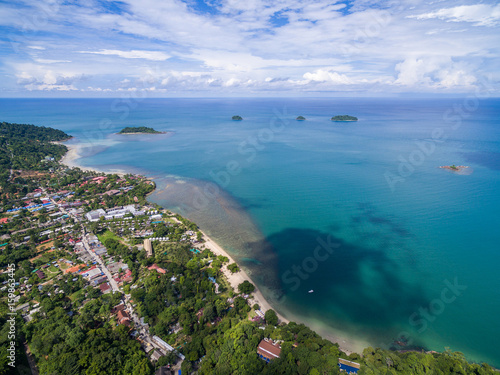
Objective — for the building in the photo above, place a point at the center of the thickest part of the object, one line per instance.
(112, 192)
(269, 349)
(123, 317)
(158, 269)
(93, 272)
(120, 307)
(163, 344)
(148, 247)
(95, 215)
(114, 213)
(156, 356)
(349, 366)
(105, 288)
(40, 274)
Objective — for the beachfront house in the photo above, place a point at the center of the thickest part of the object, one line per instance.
(349, 366)
(269, 349)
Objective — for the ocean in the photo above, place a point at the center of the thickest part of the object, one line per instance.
(349, 227)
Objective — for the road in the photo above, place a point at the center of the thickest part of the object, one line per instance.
(112, 282)
(94, 256)
(31, 360)
(143, 331)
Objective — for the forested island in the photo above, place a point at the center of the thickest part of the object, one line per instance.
(454, 168)
(139, 130)
(300, 118)
(76, 320)
(344, 118)
(237, 118)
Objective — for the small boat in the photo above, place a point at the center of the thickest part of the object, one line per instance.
(311, 291)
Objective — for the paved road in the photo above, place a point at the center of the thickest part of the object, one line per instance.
(112, 282)
(144, 333)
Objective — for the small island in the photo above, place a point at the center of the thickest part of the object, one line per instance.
(344, 118)
(454, 168)
(139, 130)
(300, 118)
(237, 118)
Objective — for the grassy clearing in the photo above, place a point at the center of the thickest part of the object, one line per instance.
(106, 235)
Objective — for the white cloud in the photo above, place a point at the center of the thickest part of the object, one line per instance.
(325, 75)
(479, 14)
(48, 61)
(48, 87)
(318, 45)
(434, 72)
(48, 80)
(133, 54)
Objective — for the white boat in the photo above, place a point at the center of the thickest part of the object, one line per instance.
(311, 291)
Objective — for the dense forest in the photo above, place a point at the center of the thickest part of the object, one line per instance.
(22, 147)
(79, 338)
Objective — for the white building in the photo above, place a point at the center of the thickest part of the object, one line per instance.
(95, 215)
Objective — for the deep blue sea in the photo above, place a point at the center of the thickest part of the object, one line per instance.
(358, 212)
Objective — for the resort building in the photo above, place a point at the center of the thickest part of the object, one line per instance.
(95, 215)
(269, 349)
(114, 213)
(148, 247)
(349, 366)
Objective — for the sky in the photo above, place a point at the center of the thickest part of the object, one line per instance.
(163, 48)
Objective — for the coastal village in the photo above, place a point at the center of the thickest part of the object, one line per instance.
(67, 250)
(97, 280)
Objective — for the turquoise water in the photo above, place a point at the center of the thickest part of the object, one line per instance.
(378, 230)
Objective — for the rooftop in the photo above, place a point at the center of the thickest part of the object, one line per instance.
(269, 349)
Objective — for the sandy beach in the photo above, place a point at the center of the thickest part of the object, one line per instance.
(74, 154)
(346, 344)
(237, 278)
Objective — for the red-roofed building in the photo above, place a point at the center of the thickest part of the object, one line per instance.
(3, 220)
(99, 180)
(105, 288)
(74, 269)
(124, 277)
(127, 276)
(117, 308)
(269, 350)
(91, 268)
(123, 317)
(158, 269)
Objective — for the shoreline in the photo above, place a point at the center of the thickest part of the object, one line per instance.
(346, 344)
(237, 278)
(70, 159)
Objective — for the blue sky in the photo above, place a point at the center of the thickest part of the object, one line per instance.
(97, 48)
